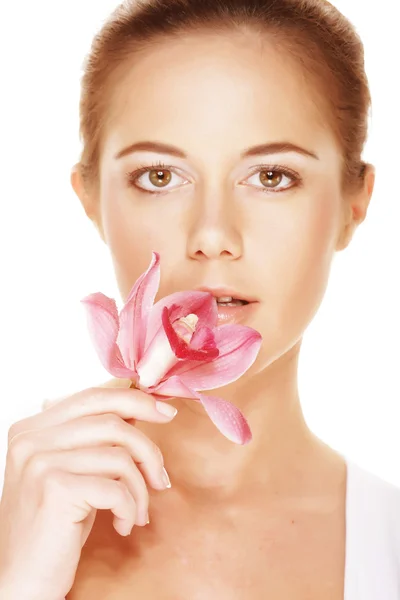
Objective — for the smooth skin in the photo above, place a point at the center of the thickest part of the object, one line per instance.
(77, 456)
(239, 521)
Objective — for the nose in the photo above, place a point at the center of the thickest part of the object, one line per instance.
(214, 233)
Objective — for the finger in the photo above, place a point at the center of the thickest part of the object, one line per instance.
(98, 430)
(113, 462)
(78, 495)
(128, 403)
(115, 382)
(48, 402)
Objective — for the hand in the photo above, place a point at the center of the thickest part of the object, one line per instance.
(63, 464)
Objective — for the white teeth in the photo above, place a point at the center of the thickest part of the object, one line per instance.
(225, 299)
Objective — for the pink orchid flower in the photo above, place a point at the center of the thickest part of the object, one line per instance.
(174, 348)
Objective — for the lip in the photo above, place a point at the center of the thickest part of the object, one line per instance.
(218, 292)
(232, 315)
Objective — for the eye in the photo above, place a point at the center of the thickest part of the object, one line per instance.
(155, 176)
(272, 176)
(158, 176)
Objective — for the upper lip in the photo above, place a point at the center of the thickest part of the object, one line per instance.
(219, 292)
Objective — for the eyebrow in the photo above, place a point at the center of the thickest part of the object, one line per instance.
(270, 148)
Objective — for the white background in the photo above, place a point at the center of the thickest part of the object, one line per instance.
(51, 255)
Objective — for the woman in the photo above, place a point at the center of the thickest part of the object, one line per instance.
(227, 135)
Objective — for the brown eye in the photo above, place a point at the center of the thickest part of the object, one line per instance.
(159, 177)
(270, 178)
(274, 179)
(148, 178)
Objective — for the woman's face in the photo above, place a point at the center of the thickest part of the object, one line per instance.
(217, 216)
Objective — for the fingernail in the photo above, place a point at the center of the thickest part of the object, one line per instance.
(166, 409)
(166, 478)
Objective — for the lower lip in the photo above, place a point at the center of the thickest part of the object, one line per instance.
(235, 314)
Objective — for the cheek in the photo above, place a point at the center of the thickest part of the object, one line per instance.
(296, 261)
(133, 229)
(311, 257)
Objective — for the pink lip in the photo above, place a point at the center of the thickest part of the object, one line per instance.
(233, 315)
(218, 292)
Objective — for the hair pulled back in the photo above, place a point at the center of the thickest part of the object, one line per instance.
(316, 34)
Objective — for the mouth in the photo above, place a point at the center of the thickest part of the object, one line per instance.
(225, 295)
(230, 301)
(233, 306)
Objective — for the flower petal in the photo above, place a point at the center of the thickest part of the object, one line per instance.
(174, 388)
(227, 418)
(156, 361)
(203, 337)
(225, 415)
(103, 325)
(182, 349)
(135, 314)
(238, 348)
(201, 304)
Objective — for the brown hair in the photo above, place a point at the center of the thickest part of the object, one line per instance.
(313, 32)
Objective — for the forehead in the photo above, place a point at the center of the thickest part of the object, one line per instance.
(221, 90)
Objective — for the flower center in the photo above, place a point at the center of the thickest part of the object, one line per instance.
(160, 357)
(186, 326)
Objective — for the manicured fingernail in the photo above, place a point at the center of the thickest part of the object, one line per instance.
(166, 409)
(166, 478)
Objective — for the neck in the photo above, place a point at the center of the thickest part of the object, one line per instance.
(199, 458)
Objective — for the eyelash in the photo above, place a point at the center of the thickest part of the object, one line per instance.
(132, 176)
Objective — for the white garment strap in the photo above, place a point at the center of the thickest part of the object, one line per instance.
(372, 537)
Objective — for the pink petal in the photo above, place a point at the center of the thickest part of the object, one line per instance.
(225, 415)
(102, 319)
(203, 337)
(135, 314)
(175, 388)
(182, 349)
(201, 304)
(238, 348)
(227, 418)
(156, 361)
